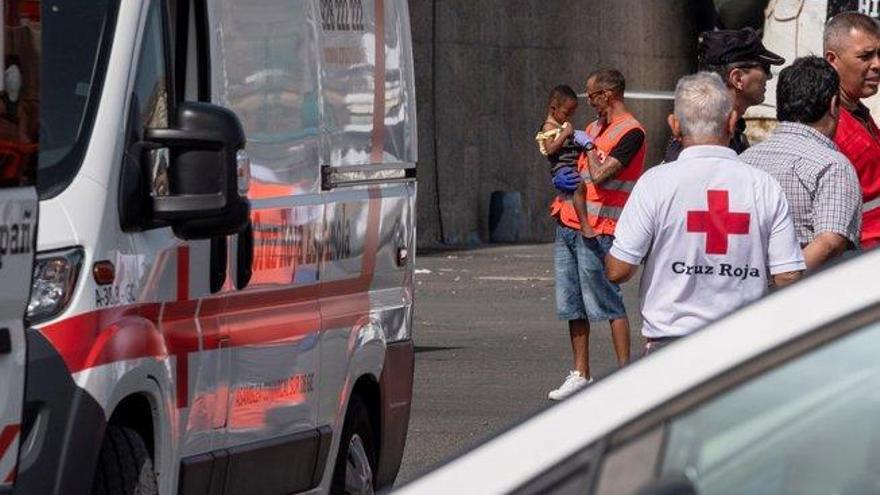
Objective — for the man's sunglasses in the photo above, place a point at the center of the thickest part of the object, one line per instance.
(593, 94)
(754, 65)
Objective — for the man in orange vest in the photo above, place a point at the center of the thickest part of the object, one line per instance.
(613, 161)
(852, 47)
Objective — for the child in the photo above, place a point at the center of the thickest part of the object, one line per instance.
(558, 141)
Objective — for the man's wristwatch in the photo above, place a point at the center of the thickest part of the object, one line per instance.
(590, 146)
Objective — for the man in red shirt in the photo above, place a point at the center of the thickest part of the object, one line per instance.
(852, 47)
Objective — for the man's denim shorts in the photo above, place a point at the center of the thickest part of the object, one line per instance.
(582, 289)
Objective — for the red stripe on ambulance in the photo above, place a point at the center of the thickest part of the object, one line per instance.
(116, 334)
(7, 436)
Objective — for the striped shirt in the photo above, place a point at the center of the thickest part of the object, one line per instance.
(820, 183)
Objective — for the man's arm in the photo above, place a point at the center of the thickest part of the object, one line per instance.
(617, 159)
(600, 172)
(824, 247)
(785, 260)
(837, 208)
(783, 279)
(618, 271)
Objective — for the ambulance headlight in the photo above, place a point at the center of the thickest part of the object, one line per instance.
(55, 275)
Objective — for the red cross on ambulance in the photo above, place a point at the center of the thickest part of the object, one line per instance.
(718, 222)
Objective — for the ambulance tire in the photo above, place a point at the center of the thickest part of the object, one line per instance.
(124, 465)
(356, 452)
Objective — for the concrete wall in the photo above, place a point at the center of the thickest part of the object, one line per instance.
(483, 72)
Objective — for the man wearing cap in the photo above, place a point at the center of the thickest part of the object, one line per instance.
(852, 47)
(743, 63)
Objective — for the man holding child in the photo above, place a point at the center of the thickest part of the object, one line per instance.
(613, 160)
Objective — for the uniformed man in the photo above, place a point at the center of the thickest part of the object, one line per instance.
(743, 63)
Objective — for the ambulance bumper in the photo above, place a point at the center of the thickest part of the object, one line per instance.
(62, 426)
(396, 385)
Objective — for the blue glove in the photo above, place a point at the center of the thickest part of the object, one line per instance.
(581, 138)
(566, 180)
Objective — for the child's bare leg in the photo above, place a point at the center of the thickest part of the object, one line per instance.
(579, 201)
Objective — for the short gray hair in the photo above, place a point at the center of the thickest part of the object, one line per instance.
(840, 26)
(702, 105)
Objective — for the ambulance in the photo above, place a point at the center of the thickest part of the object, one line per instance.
(222, 293)
(18, 222)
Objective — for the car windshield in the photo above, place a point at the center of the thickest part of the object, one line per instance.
(75, 46)
(807, 427)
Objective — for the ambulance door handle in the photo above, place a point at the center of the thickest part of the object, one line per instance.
(217, 263)
(223, 381)
(245, 257)
(5, 341)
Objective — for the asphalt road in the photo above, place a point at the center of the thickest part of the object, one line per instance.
(489, 347)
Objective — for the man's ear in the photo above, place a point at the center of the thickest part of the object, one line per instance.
(674, 125)
(834, 108)
(831, 57)
(731, 122)
(735, 79)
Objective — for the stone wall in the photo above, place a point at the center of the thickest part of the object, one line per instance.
(483, 72)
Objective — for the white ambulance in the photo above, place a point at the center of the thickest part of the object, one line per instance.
(18, 221)
(222, 298)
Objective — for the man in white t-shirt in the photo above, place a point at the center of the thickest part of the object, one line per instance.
(710, 229)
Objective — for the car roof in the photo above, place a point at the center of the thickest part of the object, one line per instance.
(509, 460)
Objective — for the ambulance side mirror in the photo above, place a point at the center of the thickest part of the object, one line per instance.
(198, 172)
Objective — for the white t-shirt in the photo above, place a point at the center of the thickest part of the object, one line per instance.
(710, 229)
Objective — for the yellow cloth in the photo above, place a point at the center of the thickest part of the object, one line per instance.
(550, 135)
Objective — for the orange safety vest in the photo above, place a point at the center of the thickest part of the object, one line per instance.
(862, 147)
(605, 201)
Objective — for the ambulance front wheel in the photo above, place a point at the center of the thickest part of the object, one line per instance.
(356, 461)
(124, 465)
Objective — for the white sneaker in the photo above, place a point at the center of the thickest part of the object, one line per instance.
(573, 382)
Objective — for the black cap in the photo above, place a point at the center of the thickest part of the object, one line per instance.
(730, 46)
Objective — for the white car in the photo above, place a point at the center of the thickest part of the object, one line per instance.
(782, 397)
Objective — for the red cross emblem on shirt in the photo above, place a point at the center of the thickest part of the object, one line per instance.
(718, 222)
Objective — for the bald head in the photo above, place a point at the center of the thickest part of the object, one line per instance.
(840, 27)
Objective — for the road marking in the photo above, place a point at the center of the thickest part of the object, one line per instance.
(516, 279)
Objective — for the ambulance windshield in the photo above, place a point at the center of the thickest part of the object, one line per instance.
(75, 46)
